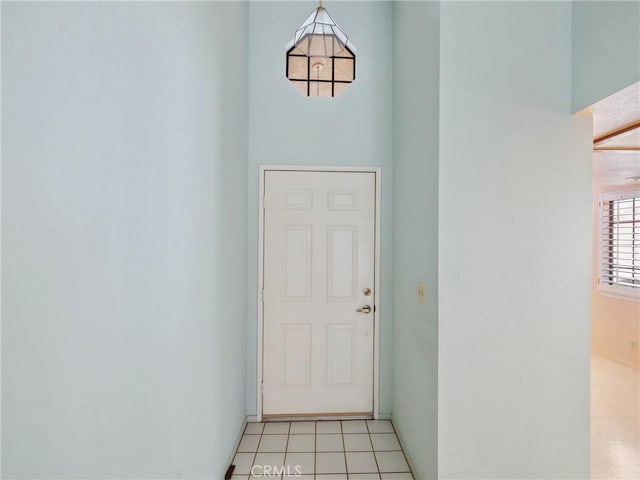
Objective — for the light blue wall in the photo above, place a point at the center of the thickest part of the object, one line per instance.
(514, 246)
(352, 129)
(606, 49)
(415, 223)
(129, 218)
(124, 195)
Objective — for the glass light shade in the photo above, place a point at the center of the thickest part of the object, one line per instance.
(317, 76)
(319, 35)
(321, 62)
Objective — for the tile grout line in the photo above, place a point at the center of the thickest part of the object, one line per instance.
(375, 458)
(255, 455)
(344, 451)
(286, 450)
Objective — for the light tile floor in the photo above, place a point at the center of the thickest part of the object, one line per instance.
(615, 420)
(322, 450)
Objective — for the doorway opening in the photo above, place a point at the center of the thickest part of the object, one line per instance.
(615, 359)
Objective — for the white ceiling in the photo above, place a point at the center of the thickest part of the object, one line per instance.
(615, 168)
(610, 114)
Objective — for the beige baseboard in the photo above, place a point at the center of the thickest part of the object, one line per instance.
(613, 358)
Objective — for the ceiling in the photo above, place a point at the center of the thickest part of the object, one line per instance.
(620, 110)
(615, 168)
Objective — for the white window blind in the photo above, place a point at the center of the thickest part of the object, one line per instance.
(620, 243)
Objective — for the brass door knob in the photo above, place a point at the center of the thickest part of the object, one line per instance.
(364, 309)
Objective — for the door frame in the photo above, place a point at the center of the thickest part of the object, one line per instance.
(377, 171)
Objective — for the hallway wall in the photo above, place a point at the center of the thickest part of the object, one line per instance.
(124, 166)
(514, 246)
(353, 129)
(416, 38)
(605, 49)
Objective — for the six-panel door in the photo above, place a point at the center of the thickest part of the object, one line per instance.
(319, 254)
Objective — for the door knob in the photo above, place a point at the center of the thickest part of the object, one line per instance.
(364, 309)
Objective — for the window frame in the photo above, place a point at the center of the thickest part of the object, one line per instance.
(615, 290)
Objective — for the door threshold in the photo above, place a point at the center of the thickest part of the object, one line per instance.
(300, 417)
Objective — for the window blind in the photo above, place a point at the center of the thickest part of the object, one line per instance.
(620, 241)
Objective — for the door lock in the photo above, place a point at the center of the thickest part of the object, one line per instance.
(364, 309)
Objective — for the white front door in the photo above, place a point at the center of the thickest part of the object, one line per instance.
(318, 300)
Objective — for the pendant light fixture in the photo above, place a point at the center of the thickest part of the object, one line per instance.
(320, 61)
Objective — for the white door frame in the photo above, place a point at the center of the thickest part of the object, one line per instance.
(378, 293)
